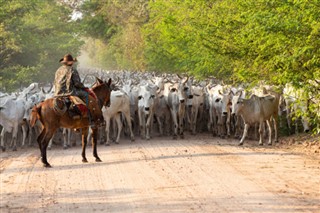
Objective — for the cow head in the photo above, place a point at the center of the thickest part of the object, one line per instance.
(146, 97)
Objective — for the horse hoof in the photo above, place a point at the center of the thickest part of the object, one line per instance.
(269, 144)
(174, 137)
(65, 147)
(3, 148)
(240, 144)
(84, 160)
(116, 142)
(98, 160)
(14, 149)
(47, 165)
(260, 144)
(107, 144)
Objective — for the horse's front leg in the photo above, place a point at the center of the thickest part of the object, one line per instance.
(94, 144)
(84, 137)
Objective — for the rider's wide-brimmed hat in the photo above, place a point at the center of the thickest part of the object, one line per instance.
(68, 59)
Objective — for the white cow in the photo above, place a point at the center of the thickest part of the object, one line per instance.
(146, 103)
(119, 104)
(216, 116)
(12, 112)
(162, 112)
(257, 109)
(240, 93)
(296, 106)
(175, 98)
(197, 107)
(132, 91)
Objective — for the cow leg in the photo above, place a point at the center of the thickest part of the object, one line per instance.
(148, 125)
(175, 124)
(107, 130)
(50, 144)
(141, 123)
(14, 138)
(210, 123)
(181, 115)
(270, 132)
(3, 147)
(261, 133)
(194, 121)
(128, 119)
(245, 132)
(237, 126)
(160, 125)
(275, 124)
(119, 125)
(228, 123)
(94, 144)
(84, 138)
(167, 124)
(214, 124)
(24, 128)
(289, 119)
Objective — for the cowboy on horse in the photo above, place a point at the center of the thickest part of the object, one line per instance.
(76, 97)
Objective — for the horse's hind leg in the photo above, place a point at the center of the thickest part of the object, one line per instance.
(94, 144)
(84, 138)
(43, 141)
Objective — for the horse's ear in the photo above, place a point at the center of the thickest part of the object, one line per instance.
(109, 81)
(99, 80)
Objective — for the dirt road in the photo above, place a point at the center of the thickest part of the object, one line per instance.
(198, 174)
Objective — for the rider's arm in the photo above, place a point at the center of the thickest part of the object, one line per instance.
(76, 79)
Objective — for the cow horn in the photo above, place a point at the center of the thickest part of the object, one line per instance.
(179, 76)
(186, 79)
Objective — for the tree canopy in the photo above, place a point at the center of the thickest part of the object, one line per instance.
(34, 35)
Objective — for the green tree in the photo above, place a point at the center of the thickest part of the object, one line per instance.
(34, 35)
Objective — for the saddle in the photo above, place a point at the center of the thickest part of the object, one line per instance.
(75, 107)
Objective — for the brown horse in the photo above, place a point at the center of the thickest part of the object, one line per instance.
(51, 120)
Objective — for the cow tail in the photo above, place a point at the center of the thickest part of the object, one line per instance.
(35, 114)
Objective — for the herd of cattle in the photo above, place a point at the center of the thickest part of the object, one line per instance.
(149, 104)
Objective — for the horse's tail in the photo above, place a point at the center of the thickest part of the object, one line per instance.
(35, 114)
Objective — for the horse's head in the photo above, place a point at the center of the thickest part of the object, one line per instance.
(102, 89)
